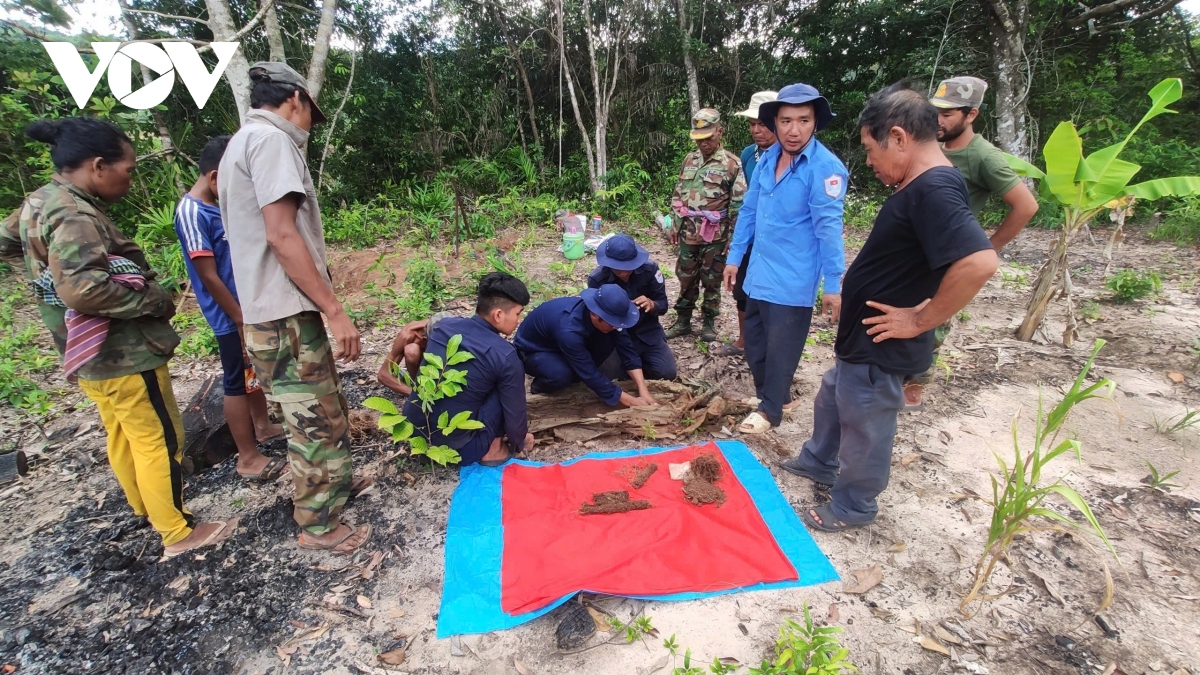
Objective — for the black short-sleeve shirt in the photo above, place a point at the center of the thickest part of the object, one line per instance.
(919, 232)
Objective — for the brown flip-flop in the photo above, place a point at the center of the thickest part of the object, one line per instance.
(352, 530)
(269, 474)
(212, 539)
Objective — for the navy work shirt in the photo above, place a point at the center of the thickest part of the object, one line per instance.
(562, 326)
(646, 280)
(496, 370)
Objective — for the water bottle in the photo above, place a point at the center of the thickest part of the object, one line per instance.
(596, 223)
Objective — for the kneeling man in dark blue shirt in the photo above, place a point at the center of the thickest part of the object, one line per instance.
(495, 391)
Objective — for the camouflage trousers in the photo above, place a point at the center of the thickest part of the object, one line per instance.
(939, 338)
(700, 265)
(294, 362)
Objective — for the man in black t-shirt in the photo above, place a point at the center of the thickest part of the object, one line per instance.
(925, 259)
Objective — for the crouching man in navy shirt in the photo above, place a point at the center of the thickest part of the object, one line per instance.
(495, 391)
(624, 263)
(565, 340)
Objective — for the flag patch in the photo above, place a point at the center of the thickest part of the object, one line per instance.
(833, 186)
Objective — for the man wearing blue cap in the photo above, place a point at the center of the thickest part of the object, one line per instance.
(793, 216)
(565, 340)
(624, 263)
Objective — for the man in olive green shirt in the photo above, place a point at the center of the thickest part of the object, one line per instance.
(987, 174)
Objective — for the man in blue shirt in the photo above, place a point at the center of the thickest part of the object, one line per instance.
(495, 389)
(793, 215)
(565, 340)
(210, 270)
(763, 139)
(624, 263)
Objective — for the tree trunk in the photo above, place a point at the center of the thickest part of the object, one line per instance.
(436, 144)
(516, 54)
(689, 65)
(333, 122)
(1007, 21)
(220, 21)
(1048, 280)
(566, 70)
(160, 123)
(316, 67)
(274, 34)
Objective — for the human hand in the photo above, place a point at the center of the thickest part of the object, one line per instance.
(348, 344)
(673, 236)
(831, 304)
(895, 322)
(646, 401)
(643, 303)
(730, 276)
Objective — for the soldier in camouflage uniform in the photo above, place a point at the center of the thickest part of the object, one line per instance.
(277, 245)
(64, 229)
(706, 200)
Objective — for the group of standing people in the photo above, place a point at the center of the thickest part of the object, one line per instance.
(768, 225)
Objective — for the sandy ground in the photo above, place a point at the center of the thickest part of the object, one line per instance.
(930, 532)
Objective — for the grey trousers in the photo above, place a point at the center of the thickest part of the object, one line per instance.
(775, 337)
(854, 427)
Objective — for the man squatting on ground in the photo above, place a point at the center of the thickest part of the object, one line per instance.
(210, 269)
(624, 263)
(763, 139)
(495, 389)
(925, 259)
(565, 340)
(273, 223)
(407, 353)
(706, 200)
(111, 320)
(987, 174)
(793, 214)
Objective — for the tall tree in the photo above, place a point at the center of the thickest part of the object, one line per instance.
(316, 65)
(689, 64)
(1007, 23)
(274, 33)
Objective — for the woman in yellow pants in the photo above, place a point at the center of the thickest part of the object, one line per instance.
(99, 297)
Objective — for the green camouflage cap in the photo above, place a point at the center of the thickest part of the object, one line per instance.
(959, 92)
(705, 123)
(273, 71)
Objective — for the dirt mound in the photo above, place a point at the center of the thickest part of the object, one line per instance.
(637, 474)
(699, 486)
(616, 501)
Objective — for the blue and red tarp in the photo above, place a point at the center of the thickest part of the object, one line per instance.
(517, 547)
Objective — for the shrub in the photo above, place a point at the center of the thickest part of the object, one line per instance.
(196, 336)
(1180, 224)
(1130, 285)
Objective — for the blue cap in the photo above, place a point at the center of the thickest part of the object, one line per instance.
(621, 252)
(796, 94)
(611, 303)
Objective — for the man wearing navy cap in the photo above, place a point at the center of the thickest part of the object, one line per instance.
(624, 263)
(792, 214)
(565, 340)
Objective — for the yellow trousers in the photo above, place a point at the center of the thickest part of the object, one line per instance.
(145, 446)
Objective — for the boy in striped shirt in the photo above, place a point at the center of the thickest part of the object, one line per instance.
(210, 268)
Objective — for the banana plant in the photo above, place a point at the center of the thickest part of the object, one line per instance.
(1085, 186)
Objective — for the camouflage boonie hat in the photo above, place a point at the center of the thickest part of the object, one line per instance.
(705, 123)
(959, 92)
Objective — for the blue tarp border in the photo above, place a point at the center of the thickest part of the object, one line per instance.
(475, 542)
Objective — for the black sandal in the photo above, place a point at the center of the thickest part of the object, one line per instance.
(269, 474)
(825, 521)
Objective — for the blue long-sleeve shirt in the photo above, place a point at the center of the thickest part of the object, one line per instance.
(496, 370)
(795, 225)
(562, 326)
(646, 280)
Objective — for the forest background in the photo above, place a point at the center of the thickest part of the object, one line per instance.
(452, 119)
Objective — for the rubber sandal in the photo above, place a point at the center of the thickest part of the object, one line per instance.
(730, 350)
(913, 408)
(829, 522)
(791, 406)
(211, 539)
(279, 436)
(753, 401)
(353, 530)
(754, 423)
(360, 485)
(793, 468)
(269, 474)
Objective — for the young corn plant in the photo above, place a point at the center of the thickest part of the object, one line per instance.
(1019, 495)
(807, 650)
(436, 380)
(1162, 483)
(1188, 418)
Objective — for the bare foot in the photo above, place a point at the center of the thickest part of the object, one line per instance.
(497, 452)
(792, 404)
(740, 343)
(912, 394)
(251, 463)
(344, 540)
(269, 432)
(204, 534)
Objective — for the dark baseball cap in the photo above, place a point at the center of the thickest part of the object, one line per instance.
(282, 73)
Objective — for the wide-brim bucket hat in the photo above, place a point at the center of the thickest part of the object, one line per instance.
(796, 94)
(611, 303)
(621, 252)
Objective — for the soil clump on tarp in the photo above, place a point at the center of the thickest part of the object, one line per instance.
(699, 485)
(638, 474)
(616, 501)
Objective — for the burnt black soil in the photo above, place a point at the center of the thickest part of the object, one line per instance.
(103, 604)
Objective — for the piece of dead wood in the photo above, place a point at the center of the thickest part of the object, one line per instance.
(345, 609)
(864, 580)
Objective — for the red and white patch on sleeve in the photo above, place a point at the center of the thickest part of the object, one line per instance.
(833, 186)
